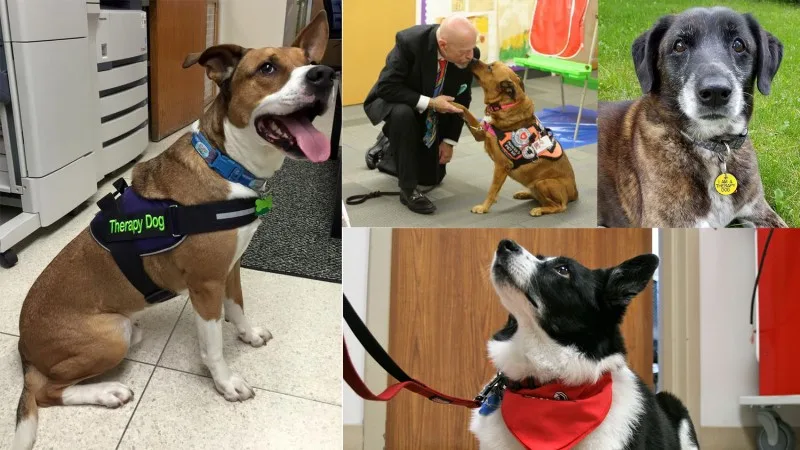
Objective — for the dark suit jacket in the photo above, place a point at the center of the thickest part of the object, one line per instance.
(410, 71)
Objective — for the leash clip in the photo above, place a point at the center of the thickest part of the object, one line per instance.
(263, 188)
(497, 381)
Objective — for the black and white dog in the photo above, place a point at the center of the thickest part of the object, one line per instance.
(563, 328)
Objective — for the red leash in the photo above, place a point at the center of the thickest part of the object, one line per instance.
(375, 350)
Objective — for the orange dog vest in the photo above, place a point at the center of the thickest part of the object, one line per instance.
(526, 145)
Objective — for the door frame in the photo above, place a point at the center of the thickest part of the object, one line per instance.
(379, 291)
(679, 357)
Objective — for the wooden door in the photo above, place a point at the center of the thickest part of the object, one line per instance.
(444, 309)
(176, 28)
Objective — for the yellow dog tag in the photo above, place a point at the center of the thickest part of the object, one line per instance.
(726, 184)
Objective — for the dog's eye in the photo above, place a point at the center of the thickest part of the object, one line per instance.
(738, 45)
(679, 46)
(267, 68)
(562, 270)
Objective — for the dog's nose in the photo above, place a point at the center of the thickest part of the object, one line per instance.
(507, 245)
(320, 77)
(714, 91)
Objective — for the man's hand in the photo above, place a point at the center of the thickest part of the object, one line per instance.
(445, 153)
(441, 104)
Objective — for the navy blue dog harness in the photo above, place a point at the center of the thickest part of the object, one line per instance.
(131, 226)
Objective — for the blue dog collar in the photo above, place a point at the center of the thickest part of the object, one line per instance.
(491, 404)
(224, 165)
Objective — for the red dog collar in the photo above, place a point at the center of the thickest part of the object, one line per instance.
(555, 416)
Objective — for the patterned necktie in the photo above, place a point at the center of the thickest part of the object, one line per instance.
(433, 118)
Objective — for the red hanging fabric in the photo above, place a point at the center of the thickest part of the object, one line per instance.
(557, 28)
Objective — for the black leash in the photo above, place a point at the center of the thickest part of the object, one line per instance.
(371, 345)
(374, 349)
(758, 274)
(361, 198)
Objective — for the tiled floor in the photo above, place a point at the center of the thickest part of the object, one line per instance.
(468, 175)
(297, 375)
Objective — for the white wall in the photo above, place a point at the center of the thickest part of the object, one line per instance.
(728, 366)
(355, 273)
(252, 23)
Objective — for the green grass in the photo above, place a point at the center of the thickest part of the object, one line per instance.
(775, 127)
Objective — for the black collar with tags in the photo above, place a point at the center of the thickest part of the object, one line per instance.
(719, 145)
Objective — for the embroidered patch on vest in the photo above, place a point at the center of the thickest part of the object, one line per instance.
(526, 145)
(143, 220)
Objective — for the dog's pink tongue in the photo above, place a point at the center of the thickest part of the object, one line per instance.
(315, 145)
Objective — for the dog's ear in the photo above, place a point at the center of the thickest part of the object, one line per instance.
(314, 37)
(219, 61)
(770, 54)
(626, 280)
(507, 87)
(645, 54)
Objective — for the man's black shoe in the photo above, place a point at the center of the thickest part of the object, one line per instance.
(376, 152)
(416, 201)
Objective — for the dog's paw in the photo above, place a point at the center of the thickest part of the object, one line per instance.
(480, 209)
(256, 336)
(113, 394)
(536, 212)
(234, 388)
(523, 195)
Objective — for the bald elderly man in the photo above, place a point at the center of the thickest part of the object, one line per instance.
(424, 72)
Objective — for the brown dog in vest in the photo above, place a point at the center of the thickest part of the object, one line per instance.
(76, 320)
(545, 172)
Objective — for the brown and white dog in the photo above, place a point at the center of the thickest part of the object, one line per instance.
(660, 156)
(76, 321)
(548, 177)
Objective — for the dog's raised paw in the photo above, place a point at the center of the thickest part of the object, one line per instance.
(536, 212)
(256, 337)
(480, 209)
(523, 195)
(234, 388)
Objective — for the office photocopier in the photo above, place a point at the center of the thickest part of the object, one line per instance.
(73, 107)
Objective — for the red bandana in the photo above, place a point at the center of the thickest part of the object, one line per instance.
(555, 416)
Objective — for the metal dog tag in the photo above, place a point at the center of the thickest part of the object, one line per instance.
(726, 184)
